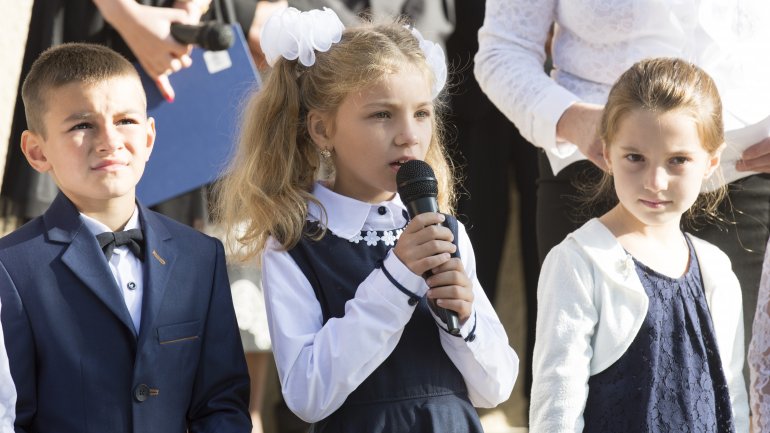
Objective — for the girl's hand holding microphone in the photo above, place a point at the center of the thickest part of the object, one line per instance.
(425, 247)
(451, 288)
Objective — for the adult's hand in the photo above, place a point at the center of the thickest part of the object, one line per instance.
(580, 125)
(756, 157)
(147, 32)
(265, 9)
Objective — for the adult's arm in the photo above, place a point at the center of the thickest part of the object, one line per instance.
(147, 31)
(509, 68)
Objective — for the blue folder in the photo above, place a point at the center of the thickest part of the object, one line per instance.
(197, 133)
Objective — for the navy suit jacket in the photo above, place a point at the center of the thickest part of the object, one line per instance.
(75, 358)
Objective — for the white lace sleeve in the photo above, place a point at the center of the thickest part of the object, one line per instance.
(509, 67)
(759, 356)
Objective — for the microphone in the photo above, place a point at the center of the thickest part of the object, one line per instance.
(418, 189)
(211, 35)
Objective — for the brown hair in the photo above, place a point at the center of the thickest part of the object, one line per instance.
(662, 85)
(64, 64)
(268, 185)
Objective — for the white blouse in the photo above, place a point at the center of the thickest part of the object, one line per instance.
(321, 364)
(596, 40)
(7, 391)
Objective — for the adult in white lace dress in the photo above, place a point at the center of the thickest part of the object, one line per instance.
(594, 41)
(759, 357)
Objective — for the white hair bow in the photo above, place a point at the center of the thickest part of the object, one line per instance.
(292, 34)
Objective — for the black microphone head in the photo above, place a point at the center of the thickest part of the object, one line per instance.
(415, 179)
(216, 36)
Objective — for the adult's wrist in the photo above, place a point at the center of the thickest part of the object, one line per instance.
(200, 6)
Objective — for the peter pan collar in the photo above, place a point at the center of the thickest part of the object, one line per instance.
(347, 217)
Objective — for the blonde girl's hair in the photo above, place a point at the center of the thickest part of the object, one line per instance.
(662, 85)
(267, 187)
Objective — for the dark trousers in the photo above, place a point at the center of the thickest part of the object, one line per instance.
(742, 236)
(493, 158)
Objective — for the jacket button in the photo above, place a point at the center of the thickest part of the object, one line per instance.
(141, 392)
(413, 301)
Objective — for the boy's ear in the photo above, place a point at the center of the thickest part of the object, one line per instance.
(31, 146)
(150, 137)
(714, 159)
(318, 128)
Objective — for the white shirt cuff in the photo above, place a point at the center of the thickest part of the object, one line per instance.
(546, 114)
(402, 275)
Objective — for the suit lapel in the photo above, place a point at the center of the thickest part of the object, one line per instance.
(160, 256)
(84, 257)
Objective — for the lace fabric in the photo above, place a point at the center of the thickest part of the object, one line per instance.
(596, 40)
(759, 356)
(671, 378)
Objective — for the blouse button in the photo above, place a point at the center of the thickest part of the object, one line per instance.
(382, 210)
(131, 285)
(413, 301)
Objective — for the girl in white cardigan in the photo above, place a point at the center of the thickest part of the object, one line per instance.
(639, 326)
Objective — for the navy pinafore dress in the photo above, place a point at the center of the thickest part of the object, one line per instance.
(417, 388)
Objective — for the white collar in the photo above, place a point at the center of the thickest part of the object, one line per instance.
(96, 227)
(346, 217)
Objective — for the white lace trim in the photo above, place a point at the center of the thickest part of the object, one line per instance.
(388, 237)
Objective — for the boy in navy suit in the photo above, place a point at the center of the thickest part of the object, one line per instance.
(116, 318)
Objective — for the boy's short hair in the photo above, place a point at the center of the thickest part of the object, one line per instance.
(64, 64)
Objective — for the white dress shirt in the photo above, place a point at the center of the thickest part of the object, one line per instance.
(321, 364)
(125, 267)
(7, 391)
(596, 40)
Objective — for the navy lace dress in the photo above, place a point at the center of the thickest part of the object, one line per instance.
(670, 379)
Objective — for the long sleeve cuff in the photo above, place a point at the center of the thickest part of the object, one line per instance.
(408, 286)
(545, 117)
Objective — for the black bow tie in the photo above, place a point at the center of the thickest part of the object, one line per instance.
(133, 239)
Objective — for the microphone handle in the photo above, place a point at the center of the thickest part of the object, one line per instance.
(449, 317)
(185, 33)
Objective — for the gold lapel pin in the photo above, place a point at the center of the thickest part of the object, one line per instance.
(158, 257)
